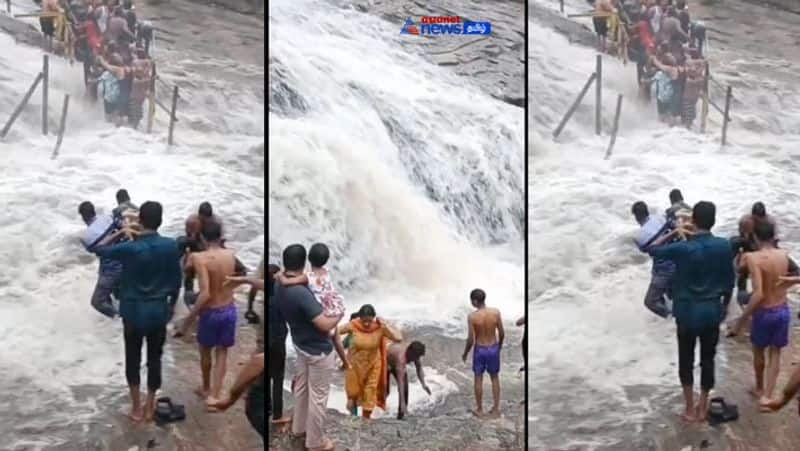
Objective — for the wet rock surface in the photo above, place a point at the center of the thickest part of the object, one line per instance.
(496, 63)
(446, 426)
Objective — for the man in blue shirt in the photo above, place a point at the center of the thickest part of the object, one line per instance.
(654, 227)
(151, 280)
(702, 288)
(109, 273)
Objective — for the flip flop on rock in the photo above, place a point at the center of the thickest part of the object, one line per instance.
(721, 412)
(167, 412)
(252, 317)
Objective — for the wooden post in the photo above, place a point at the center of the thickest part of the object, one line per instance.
(704, 112)
(598, 96)
(21, 105)
(726, 119)
(151, 98)
(616, 127)
(172, 113)
(8, 6)
(62, 125)
(574, 106)
(45, 81)
(561, 6)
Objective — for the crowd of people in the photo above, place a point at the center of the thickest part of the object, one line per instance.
(694, 274)
(114, 47)
(144, 272)
(667, 47)
(305, 302)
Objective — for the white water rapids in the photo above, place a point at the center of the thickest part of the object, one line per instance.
(602, 365)
(411, 175)
(54, 343)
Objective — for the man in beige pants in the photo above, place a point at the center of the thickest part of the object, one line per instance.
(315, 363)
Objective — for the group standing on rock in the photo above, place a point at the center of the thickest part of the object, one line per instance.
(667, 47)
(114, 46)
(697, 272)
(144, 271)
(307, 304)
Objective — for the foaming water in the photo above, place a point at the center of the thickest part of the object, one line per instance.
(410, 174)
(54, 342)
(602, 364)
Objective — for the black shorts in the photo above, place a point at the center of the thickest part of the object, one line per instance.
(600, 26)
(48, 26)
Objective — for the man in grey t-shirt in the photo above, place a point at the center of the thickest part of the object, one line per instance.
(310, 331)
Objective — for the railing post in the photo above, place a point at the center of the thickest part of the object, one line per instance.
(62, 125)
(598, 96)
(172, 113)
(726, 119)
(21, 105)
(704, 113)
(574, 106)
(616, 127)
(45, 82)
(151, 100)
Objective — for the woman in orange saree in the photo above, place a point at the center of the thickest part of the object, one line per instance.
(367, 377)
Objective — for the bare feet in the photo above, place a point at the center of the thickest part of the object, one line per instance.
(478, 413)
(494, 413)
(756, 392)
(284, 428)
(701, 411)
(688, 417)
(202, 392)
(327, 445)
(136, 414)
(149, 410)
(211, 403)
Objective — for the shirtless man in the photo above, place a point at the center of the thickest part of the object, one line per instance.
(746, 242)
(486, 333)
(770, 330)
(216, 330)
(400, 355)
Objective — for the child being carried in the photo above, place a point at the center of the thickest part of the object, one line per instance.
(319, 282)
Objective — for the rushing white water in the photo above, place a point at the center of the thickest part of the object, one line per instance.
(602, 365)
(409, 173)
(412, 175)
(53, 341)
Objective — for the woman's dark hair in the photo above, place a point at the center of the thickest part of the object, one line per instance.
(414, 351)
(205, 210)
(759, 210)
(366, 310)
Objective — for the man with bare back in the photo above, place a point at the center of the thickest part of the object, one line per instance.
(486, 333)
(771, 316)
(746, 242)
(399, 355)
(216, 329)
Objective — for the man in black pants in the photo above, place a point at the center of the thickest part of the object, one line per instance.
(278, 331)
(151, 280)
(702, 288)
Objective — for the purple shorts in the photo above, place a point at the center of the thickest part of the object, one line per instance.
(771, 327)
(217, 327)
(486, 359)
